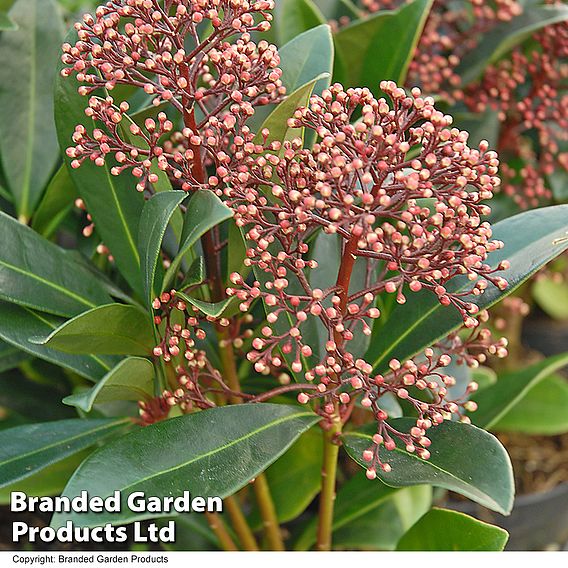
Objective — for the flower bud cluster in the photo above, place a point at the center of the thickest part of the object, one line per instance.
(403, 192)
(389, 178)
(156, 46)
(527, 89)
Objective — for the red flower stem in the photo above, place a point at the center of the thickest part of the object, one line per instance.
(330, 445)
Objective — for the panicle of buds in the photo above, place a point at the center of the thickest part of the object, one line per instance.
(527, 89)
(156, 46)
(403, 192)
(400, 189)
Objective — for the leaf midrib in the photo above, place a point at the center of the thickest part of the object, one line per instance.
(49, 284)
(99, 334)
(52, 326)
(430, 464)
(31, 116)
(219, 449)
(59, 443)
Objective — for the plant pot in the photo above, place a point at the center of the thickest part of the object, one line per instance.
(539, 521)
(546, 335)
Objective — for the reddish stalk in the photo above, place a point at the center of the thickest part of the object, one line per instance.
(330, 445)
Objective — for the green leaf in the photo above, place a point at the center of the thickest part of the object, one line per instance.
(236, 251)
(337, 9)
(131, 379)
(18, 324)
(27, 449)
(484, 377)
(293, 17)
(382, 46)
(531, 239)
(277, 121)
(542, 412)
(28, 142)
(195, 273)
(156, 215)
(49, 481)
(464, 459)
(552, 297)
(213, 310)
(307, 56)
(504, 37)
(210, 453)
(163, 184)
(382, 528)
(38, 274)
(115, 329)
(204, 211)
(327, 252)
(363, 505)
(440, 529)
(496, 401)
(295, 479)
(10, 356)
(112, 201)
(32, 398)
(56, 203)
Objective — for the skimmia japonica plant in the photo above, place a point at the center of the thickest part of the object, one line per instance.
(285, 262)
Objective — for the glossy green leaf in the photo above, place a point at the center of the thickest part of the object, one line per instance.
(496, 401)
(464, 459)
(163, 184)
(38, 274)
(195, 273)
(294, 17)
(56, 203)
(204, 211)
(531, 239)
(382, 528)
(210, 453)
(18, 324)
(504, 37)
(337, 9)
(156, 215)
(277, 121)
(326, 251)
(543, 411)
(552, 297)
(49, 481)
(295, 479)
(114, 329)
(382, 46)
(236, 251)
(27, 449)
(112, 201)
(28, 142)
(131, 379)
(10, 356)
(484, 377)
(307, 56)
(440, 529)
(212, 309)
(360, 503)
